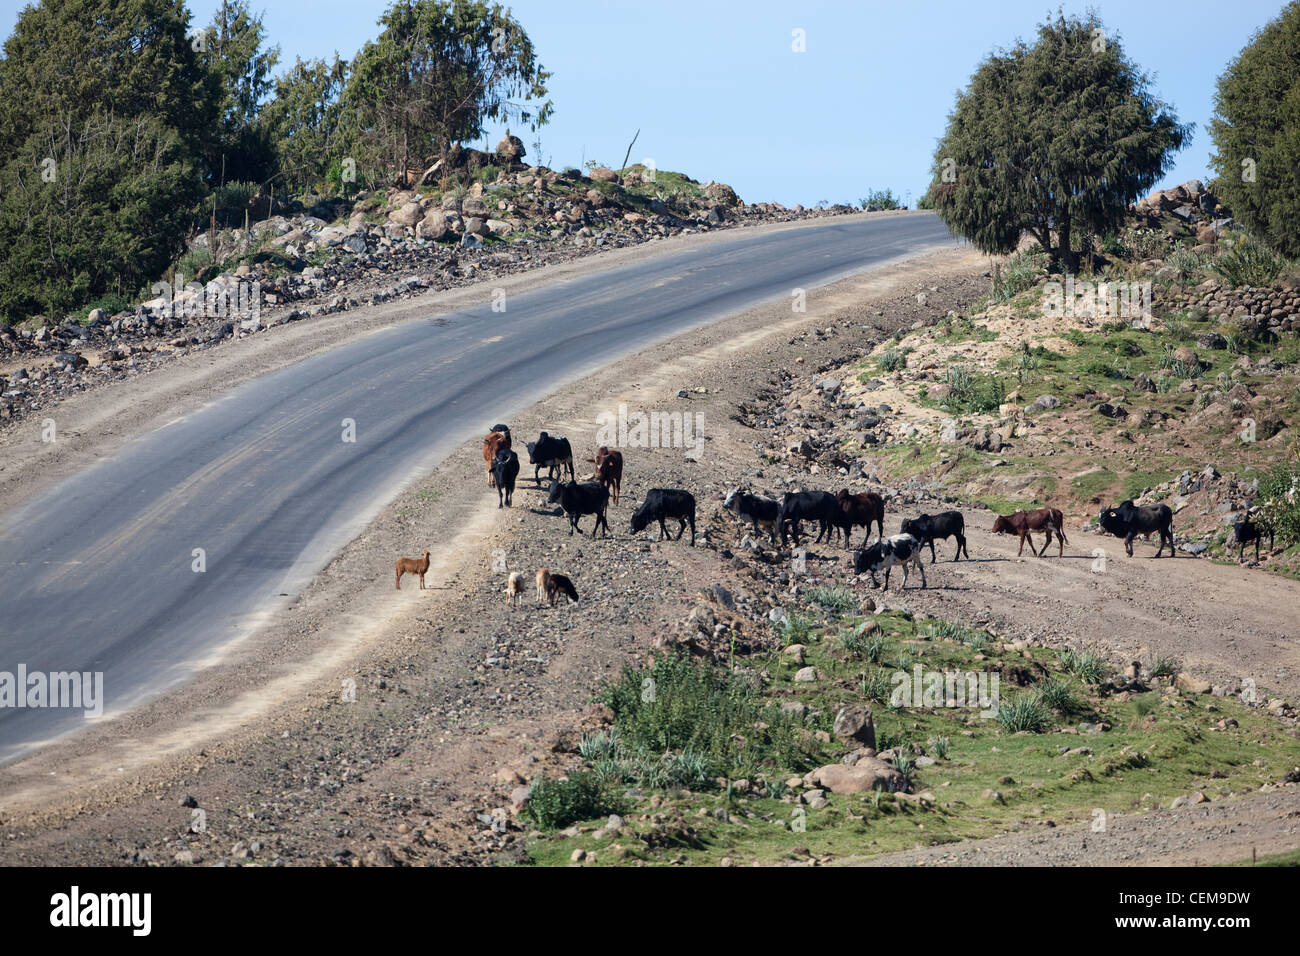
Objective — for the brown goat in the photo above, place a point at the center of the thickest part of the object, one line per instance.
(416, 566)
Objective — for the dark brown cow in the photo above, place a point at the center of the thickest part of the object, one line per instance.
(494, 442)
(1024, 523)
(609, 470)
(860, 509)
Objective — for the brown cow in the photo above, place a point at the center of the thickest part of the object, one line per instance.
(609, 470)
(494, 442)
(1024, 523)
(860, 509)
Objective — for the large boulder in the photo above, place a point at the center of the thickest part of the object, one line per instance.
(408, 214)
(721, 192)
(869, 773)
(473, 206)
(603, 174)
(511, 149)
(854, 725)
(435, 226)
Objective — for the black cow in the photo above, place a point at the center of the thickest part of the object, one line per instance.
(943, 526)
(819, 506)
(883, 555)
(505, 469)
(1246, 530)
(589, 498)
(550, 453)
(755, 509)
(1130, 520)
(661, 504)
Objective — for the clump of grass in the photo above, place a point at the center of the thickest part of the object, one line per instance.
(876, 685)
(1162, 665)
(1249, 263)
(1146, 704)
(598, 745)
(1019, 273)
(939, 747)
(973, 392)
(833, 598)
(1086, 666)
(705, 714)
(1024, 712)
(553, 804)
(892, 359)
(793, 628)
(1055, 695)
(865, 643)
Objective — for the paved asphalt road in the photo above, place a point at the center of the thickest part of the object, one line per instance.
(263, 483)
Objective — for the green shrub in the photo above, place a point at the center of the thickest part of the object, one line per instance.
(1249, 262)
(1020, 272)
(1086, 666)
(884, 198)
(863, 645)
(1279, 495)
(1024, 712)
(554, 804)
(939, 747)
(703, 713)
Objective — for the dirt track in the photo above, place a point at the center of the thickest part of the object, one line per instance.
(453, 685)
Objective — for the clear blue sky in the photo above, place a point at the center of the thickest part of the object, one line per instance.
(718, 93)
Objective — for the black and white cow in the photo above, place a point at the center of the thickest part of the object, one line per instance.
(901, 549)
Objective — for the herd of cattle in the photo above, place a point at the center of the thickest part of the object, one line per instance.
(834, 514)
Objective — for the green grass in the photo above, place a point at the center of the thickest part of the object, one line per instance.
(1157, 748)
(1288, 858)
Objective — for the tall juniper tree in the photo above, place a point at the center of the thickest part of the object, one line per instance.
(1055, 139)
(105, 115)
(438, 71)
(1256, 133)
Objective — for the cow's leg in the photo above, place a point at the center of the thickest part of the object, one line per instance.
(921, 567)
(1060, 544)
(932, 557)
(398, 582)
(848, 536)
(663, 530)
(421, 580)
(692, 520)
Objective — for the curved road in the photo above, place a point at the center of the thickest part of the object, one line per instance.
(263, 482)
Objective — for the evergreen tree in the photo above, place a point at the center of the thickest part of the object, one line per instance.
(1056, 139)
(1256, 134)
(439, 70)
(105, 114)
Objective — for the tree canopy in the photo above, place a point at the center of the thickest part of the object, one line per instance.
(1256, 133)
(439, 70)
(1056, 138)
